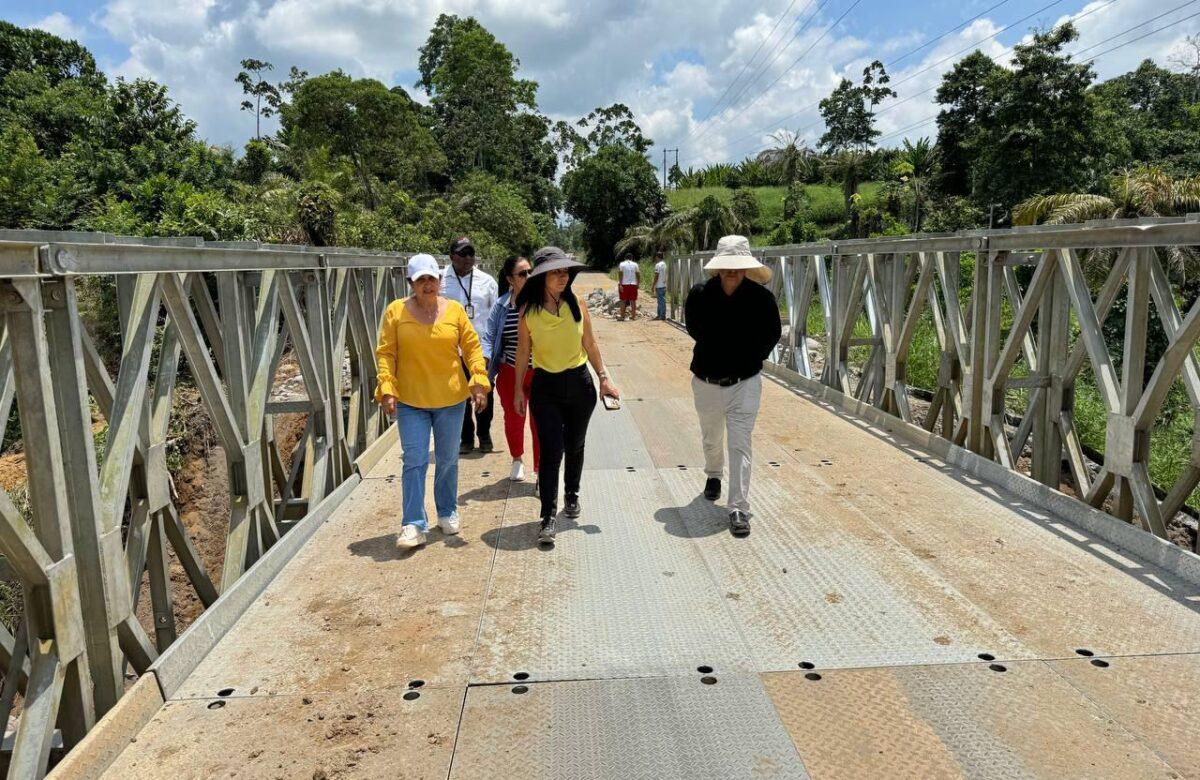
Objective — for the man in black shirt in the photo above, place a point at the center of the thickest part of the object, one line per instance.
(735, 322)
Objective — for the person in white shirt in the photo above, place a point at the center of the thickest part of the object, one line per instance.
(660, 285)
(477, 292)
(631, 279)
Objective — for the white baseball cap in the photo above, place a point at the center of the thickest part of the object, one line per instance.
(422, 265)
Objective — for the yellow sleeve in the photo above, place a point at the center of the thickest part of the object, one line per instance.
(387, 357)
(472, 352)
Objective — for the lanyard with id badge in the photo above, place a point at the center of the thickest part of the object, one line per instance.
(470, 305)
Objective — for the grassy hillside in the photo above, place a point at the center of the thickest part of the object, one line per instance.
(828, 207)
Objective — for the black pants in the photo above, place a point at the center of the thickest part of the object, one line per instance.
(561, 405)
(481, 421)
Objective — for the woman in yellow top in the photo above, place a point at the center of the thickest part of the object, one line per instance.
(556, 327)
(421, 382)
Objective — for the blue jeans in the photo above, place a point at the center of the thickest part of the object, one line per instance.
(661, 294)
(415, 426)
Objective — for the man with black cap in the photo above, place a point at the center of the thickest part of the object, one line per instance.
(477, 292)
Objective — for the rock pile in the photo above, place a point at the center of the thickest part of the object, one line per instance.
(608, 305)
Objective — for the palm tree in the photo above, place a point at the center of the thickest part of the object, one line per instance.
(850, 168)
(790, 156)
(1141, 192)
(697, 227)
(921, 161)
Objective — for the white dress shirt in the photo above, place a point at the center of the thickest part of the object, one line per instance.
(477, 292)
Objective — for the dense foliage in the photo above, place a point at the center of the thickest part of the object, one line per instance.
(1036, 139)
(353, 161)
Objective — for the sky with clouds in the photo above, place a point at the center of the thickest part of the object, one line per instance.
(713, 79)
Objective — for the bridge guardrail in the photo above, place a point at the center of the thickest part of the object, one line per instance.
(1035, 304)
(104, 519)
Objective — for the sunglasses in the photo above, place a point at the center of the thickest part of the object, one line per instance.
(467, 253)
(522, 274)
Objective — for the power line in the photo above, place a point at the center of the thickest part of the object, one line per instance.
(927, 120)
(908, 78)
(1143, 24)
(1010, 49)
(747, 63)
(778, 51)
(956, 28)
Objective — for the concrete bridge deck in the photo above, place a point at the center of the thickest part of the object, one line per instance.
(889, 616)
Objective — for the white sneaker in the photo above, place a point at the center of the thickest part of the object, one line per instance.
(410, 536)
(518, 471)
(449, 525)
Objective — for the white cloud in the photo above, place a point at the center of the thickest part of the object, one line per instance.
(61, 25)
(669, 60)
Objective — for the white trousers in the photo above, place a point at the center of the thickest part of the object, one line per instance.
(729, 411)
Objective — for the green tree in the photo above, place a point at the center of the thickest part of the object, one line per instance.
(36, 51)
(610, 191)
(1144, 118)
(377, 130)
(25, 180)
(849, 110)
(261, 90)
(917, 165)
(605, 126)
(745, 208)
(1042, 128)
(499, 210)
(967, 108)
(849, 168)
(475, 94)
(790, 157)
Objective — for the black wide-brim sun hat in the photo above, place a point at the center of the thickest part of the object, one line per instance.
(551, 258)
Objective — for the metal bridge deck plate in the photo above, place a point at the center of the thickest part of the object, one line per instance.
(361, 734)
(1155, 698)
(613, 441)
(814, 583)
(615, 597)
(955, 721)
(350, 612)
(650, 728)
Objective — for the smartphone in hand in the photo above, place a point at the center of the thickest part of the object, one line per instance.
(610, 403)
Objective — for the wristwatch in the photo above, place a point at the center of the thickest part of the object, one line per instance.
(602, 374)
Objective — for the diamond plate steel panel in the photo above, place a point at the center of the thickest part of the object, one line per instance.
(671, 431)
(351, 611)
(614, 442)
(362, 734)
(815, 583)
(1156, 698)
(954, 721)
(651, 728)
(614, 598)
(642, 373)
(994, 549)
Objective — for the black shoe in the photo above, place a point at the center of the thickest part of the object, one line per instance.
(712, 489)
(572, 509)
(546, 531)
(485, 444)
(465, 448)
(739, 523)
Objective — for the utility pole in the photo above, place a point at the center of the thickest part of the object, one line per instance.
(665, 151)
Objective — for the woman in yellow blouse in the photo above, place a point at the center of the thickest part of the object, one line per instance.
(556, 327)
(421, 382)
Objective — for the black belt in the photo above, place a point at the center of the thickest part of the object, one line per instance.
(728, 381)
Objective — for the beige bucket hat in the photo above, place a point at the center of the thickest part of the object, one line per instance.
(733, 253)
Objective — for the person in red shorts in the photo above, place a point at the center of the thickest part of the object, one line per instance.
(631, 279)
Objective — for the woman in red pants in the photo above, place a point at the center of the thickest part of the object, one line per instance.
(500, 348)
